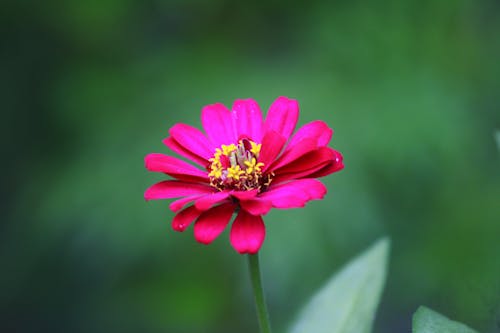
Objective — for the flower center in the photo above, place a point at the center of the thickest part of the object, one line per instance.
(237, 167)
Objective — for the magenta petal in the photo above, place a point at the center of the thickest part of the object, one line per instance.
(313, 160)
(177, 205)
(247, 119)
(212, 222)
(332, 167)
(209, 200)
(248, 201)
(168, 189)
(282, 116)
(295, 193)
(291, 154)
(317, 130)
(247, 233)
(193, 140)
(245, 195)
(179, 149)
(174, 167)
(324, 171)
(184, 218)
(218, 124)
(272, 143)
(256, 206)
(307, 173)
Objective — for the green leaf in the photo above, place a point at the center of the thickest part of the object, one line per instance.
(348, 301)
(426, 320)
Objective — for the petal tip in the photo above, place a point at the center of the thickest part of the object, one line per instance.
(179, 227)
(247, 233)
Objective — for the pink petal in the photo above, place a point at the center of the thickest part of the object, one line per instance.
(282, 116)
(168, 189)
(217, 122)
(308, 173)
(272, 143)
(179, 149)
(175, 168)
(332, 167)
(247, 233)
(317, 130)
(212, 222)
(209, 200)
(244, 195)
(291, 154)
(247, 119)
(305, 165)
(295, 193)
(184, 218)
(256, 206)
(177, 205)
(193, 140)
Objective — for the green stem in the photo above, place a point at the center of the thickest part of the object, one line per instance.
(258, 292)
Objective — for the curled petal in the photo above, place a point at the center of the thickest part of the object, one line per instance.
(322, 155)
(174, 167)
(332, 167)
(211, 223)
(306, 165)
(295, 193)
(282, 116)
(247, 233)
(247, 119)
(184, 218)
(218, 125)
(169, 189)
(298, 150)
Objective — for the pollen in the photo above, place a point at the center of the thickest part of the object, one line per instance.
(237, 167)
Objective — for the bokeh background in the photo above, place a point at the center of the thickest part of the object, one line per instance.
(90, 87)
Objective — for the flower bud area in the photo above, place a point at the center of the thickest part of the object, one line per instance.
(237, 167)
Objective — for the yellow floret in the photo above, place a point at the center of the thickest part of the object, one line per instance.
(226, 150)
(217, 155)
(252, 166)
(234, 172)
(216, 171)
(255, 148)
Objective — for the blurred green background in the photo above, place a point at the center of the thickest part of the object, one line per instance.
(90, 87)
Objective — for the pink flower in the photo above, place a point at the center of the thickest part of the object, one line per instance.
(250, 165)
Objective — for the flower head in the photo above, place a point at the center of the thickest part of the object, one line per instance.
(248, 166)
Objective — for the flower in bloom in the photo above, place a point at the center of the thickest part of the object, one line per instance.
(244, 164)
